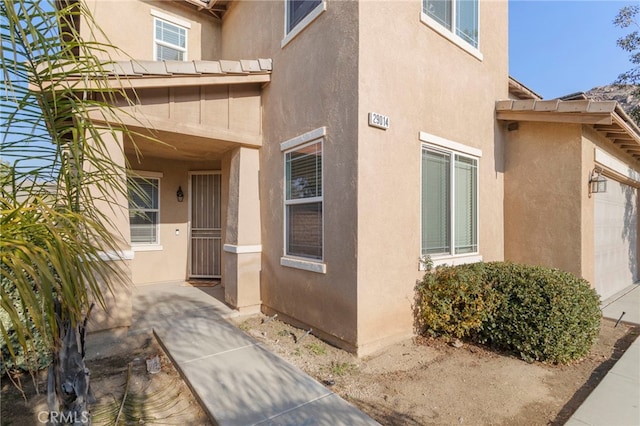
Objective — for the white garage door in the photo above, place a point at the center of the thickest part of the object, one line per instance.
(616, 238)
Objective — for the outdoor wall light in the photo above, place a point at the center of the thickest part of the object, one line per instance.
(180, 194)
(597, 182)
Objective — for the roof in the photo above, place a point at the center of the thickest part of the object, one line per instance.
(606, 117)
(216, 7)
(146, 74)
(169, 68)
(521, 91)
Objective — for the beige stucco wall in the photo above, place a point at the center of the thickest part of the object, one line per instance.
(314, 84)
(332, 74)
(423, 82)
(544, 196)
(129, 25)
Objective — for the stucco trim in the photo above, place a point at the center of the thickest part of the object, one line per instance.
(170, 18)
(451, 145)
(241, 249)
(452, 37)
(319, 10)
(304, 138)
(453, 260)
(320, 268)
(616, 165)
(113, 255)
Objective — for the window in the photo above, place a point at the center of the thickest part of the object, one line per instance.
(170, 41)
(303, 201)
(144, 210)
(449, 202)
(457, 16)
(297, 10)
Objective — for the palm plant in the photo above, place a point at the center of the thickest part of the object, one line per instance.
(57, 168)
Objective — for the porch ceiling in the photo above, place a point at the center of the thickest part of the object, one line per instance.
(177, 146)
(606, 117)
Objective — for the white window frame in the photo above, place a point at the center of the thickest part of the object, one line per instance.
(172, 20)
(151, 246)
(438, 144)
(450, 34)
(296, 261)
(306, 21)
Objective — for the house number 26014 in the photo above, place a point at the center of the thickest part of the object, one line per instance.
(378, 120)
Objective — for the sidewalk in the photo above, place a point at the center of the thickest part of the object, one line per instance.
(616, 399)
(235, 378)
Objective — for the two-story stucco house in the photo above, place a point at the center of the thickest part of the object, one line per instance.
(316, 150)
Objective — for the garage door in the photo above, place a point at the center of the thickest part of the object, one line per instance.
(616, 238)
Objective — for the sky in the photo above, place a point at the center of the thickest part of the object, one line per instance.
(561, 47)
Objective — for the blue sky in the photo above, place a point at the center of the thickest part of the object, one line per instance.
(560, 47)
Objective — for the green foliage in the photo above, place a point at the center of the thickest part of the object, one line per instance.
(538, 313)
(454, 300)
(628, 18)
(36, 356)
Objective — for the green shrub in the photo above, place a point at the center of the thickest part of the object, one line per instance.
(454, 301)
(540, 313)
(37, 356)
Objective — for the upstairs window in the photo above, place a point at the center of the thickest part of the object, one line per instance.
(170, 41)
(458, 16)
(297, 10)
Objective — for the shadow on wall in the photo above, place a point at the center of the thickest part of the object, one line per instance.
(630, 230)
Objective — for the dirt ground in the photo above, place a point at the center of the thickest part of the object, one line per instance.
(428, 381)
(161, 398)
(416, 382)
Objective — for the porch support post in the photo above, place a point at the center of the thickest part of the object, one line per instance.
(243, 244)
(118, 311)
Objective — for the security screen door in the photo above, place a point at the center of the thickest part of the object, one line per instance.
(206, 225)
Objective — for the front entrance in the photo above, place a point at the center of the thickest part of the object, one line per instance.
(205, 225)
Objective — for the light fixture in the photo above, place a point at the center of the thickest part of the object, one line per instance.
(180, 194)
(597, 182)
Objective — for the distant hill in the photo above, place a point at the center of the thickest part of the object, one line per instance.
(623, 94)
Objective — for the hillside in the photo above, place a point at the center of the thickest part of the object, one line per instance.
(623, 94)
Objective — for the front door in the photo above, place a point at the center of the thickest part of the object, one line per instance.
(206, 225)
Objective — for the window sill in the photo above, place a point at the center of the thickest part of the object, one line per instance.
(307, 265)
(452, 260)
(452, 37)
(150, 247)
(319, 10)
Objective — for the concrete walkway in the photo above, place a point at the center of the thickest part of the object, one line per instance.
(616, 400)
(237, 380)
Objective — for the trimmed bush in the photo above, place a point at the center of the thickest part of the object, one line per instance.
(454, 301)
(538, 313)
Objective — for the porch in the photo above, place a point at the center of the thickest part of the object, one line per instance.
(194, 155)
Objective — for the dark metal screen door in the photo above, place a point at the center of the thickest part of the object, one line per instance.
(206, 225)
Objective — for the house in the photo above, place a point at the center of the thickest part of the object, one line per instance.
(314, 151)
(571, 187)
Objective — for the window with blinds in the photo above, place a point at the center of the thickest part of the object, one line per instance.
(144, 210)
(170, 41)
(449, 203)
(303, 201)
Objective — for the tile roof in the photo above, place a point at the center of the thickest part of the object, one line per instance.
(607, 117)
(134, 68)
